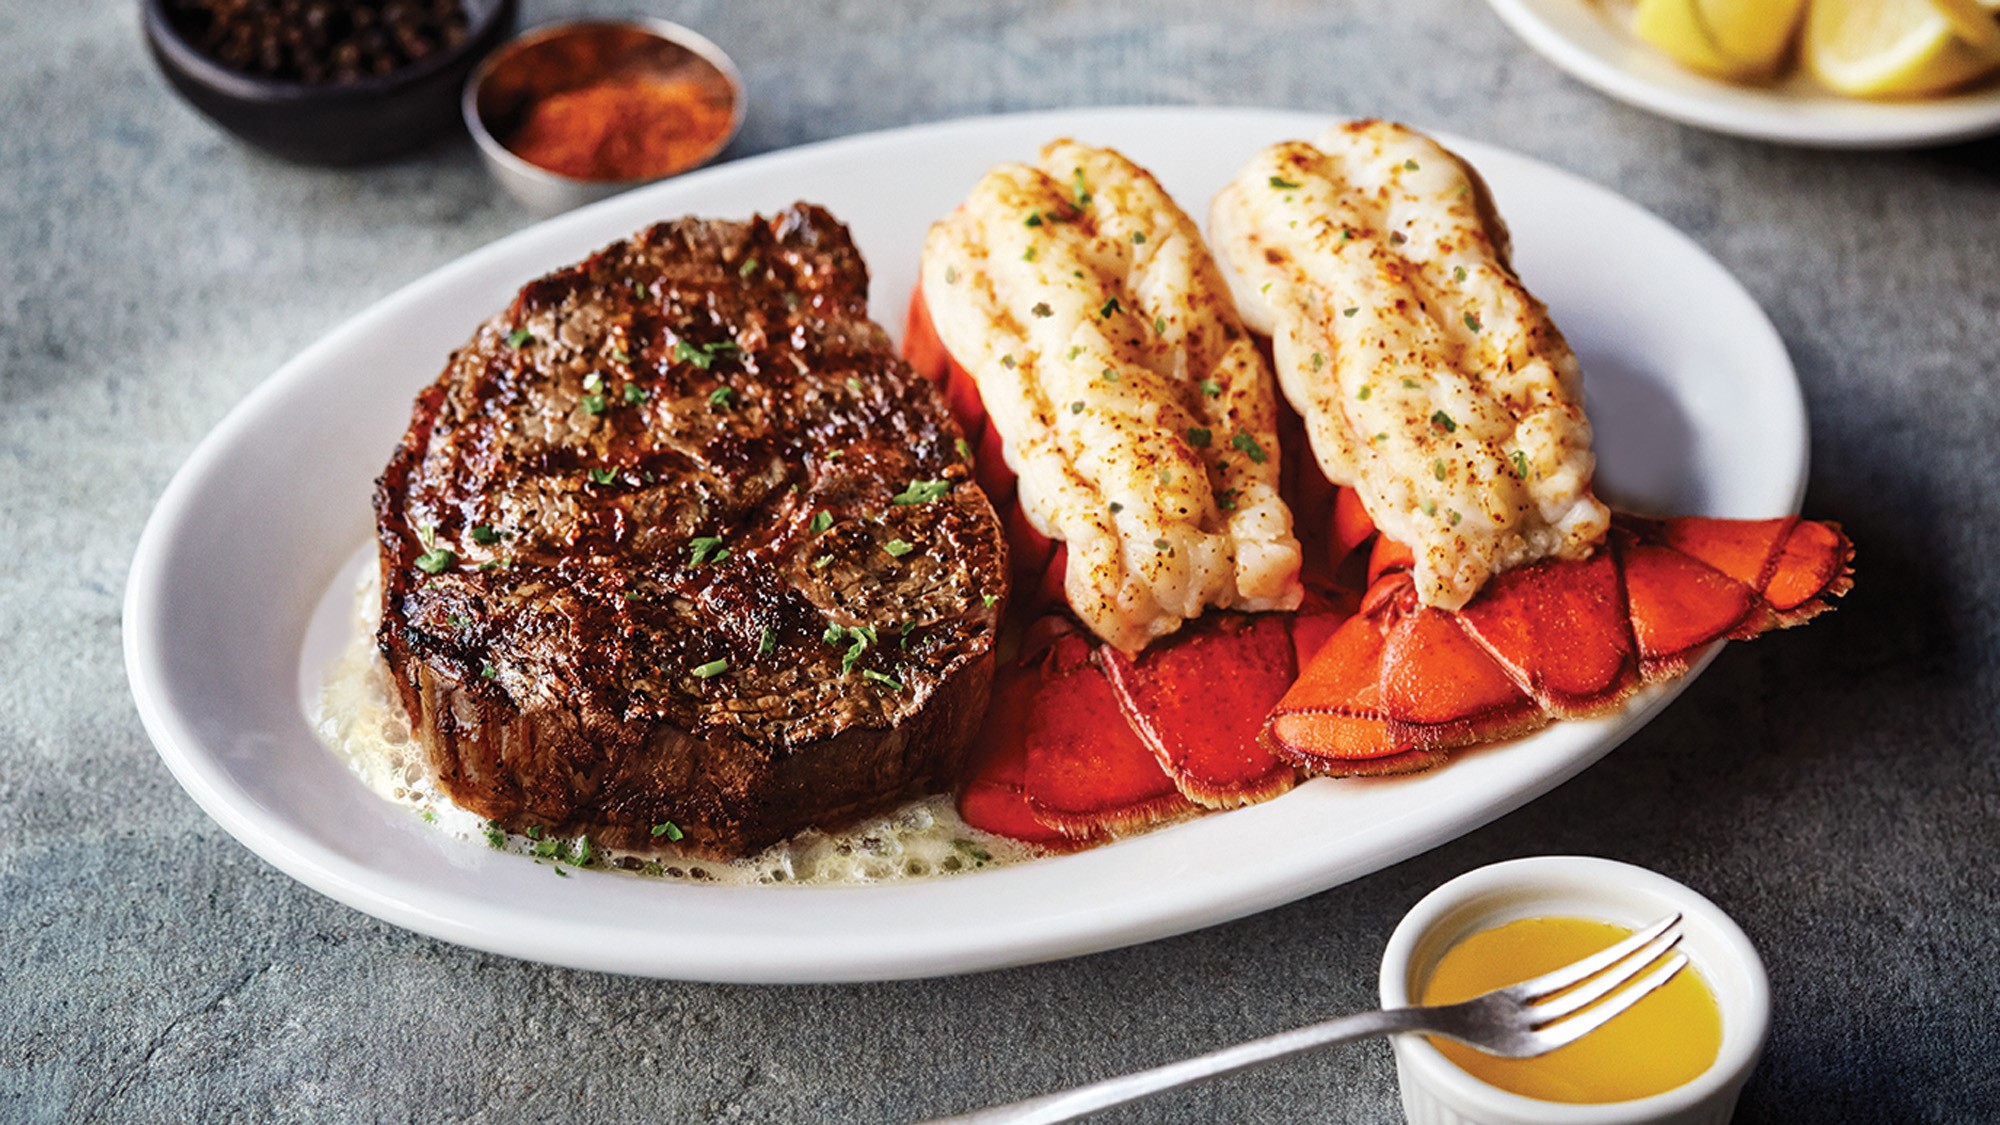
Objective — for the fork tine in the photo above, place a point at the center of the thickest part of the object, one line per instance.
(1590, 991)
(1590, 966)
(1571, 1030)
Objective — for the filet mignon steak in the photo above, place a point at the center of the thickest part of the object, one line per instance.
(678, 538)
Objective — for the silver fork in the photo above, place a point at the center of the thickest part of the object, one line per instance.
(1518, 1022)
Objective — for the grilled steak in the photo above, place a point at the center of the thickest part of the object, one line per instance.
(677, 538)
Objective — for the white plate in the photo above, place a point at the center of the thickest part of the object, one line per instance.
(1593, 41)
(1696, 402)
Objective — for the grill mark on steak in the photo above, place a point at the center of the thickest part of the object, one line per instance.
(700, 380)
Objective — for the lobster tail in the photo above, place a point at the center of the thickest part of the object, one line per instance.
(1400, 683)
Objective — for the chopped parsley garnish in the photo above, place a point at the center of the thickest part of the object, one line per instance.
(1161, 544)
(1226, 499)
(1006, 361)
(593, 404)
(1082, 192)
(1520, 460)
(857, 638)
(1458, 273)
(702, 355)
(1364, 392)
(603, 476)
(484, 535)
(520, 338)
(1042, 309)
(668, 829)
(1283, 184)
(487, 671)
(1076, 407)
(988, 599)
(1198, 437)
(922, 492)
(722, 396)
(435, 558)
(1410, 165)
(1028, 255)
(897, 548)
(964, 448)
(822, 562)
(1410, 384)
(1075, 351)
(887, 681)
(766, 641)
(1247, 445)
(1109, 376)
(1472, 322)
(706, 548)
(1034, 219)
(712, 668)
(1350, 310)
(1211, 388)
(594, 382)
(854, 384)
(1138, 238)
(1437, 468)
(495, 838)
(748, 267)
(1443, 422)
(1318, 361)
(820, 522)
(634, 394)
(1452, 514)
(1159, 326)
(458, 621)
(1381, 437)
(1110, 306)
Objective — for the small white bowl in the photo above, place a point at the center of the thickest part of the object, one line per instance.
(1437, 1092)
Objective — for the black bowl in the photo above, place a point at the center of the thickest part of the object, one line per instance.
(332, 123)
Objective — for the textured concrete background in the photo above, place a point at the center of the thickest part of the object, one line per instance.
(1835, 789)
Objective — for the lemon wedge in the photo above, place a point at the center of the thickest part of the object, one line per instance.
(1890, 48)
(1728, 38)
(1975, 22)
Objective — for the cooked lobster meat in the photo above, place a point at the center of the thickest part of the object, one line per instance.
(677, 539)
(1497, 596)
(1126, 396)
(1430, 380)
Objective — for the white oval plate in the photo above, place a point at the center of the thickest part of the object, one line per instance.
(1593, 41)
(1697, 407)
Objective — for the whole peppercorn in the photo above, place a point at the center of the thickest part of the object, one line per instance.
(319, 41)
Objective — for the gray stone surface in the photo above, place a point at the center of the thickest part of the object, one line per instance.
(1835, 789)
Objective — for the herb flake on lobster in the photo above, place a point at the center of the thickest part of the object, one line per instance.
(1433, 398)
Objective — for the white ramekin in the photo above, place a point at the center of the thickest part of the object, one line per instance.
(1437, 1092)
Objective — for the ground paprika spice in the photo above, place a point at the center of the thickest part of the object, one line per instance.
(624, 128)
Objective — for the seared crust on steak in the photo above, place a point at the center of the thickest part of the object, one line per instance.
(652, 553)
